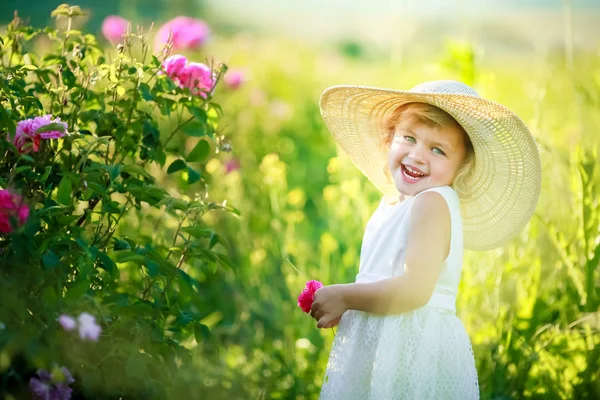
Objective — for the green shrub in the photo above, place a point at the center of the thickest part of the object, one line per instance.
(108, 232)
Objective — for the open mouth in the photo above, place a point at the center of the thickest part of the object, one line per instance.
(411, 174)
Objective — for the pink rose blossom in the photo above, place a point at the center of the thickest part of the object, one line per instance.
(27, 138)
(114, 27)
(173, 65)
(234, 79)
(306, 298)
(187, 33)
(88, 329)
(197, 77)
(67, 322)
(12, 210)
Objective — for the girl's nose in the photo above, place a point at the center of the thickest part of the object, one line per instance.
(417, 154)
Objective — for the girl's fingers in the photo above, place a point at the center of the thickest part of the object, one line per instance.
(323, 322)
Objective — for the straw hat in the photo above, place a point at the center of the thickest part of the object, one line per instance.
(506, 180)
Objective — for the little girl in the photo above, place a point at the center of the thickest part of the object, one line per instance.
(456, 171)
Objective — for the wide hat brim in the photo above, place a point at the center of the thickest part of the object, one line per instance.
(505, 184)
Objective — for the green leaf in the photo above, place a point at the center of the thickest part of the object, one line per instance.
(26, 158)
(199, 113)
(121, 244)
(198, 232)
(77, 290)
(29, 67)
(193, 175)
(50, 259)
(65, 220)
(194, 129)
(201, 333)
(214, 239)
(176, 165)
(199, 152)
(146, 93)
(129, 256)
(113, 171)
(64, 191)
(136, 169)
(52, 126)
(106, 263)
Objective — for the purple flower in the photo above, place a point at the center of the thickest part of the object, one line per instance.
(27, 138)
(88, 329)
(187, 33)
(114, 27)
(67, 322)
(51, 387)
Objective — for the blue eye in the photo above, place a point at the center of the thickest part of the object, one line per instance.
(410, 139)
(437, 150)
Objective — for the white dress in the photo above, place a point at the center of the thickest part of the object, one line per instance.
(422, 354)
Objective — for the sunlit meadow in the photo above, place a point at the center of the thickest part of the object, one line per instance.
(531, 308)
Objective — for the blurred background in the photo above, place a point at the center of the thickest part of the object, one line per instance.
(530, 308)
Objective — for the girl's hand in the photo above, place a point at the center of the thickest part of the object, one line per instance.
(328, 306)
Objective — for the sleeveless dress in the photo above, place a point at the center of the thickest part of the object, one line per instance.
(419, 355)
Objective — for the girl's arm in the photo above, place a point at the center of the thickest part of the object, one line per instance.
(427, 247)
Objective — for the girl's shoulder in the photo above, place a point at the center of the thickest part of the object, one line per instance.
(447, 192)
(450, 196)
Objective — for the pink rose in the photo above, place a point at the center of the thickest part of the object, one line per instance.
(188, 33)
(11, 209)
(27, 138)
(233, 79)
(306, 298)
(114, 27)
(173, 65)
(197, 77)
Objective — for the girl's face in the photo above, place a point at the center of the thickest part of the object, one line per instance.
(422, 157)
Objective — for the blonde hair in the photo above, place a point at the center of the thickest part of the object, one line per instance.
(436, 118)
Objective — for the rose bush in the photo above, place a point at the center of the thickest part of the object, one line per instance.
(103, 214)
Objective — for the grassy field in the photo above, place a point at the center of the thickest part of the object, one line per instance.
(530, 308)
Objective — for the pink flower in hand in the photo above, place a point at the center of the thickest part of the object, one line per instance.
(88, 329)
(188, 33)
(234, 79)
(306, 298)
(198, 78)
(114, 27)
(12, 210)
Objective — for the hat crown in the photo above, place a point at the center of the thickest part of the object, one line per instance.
(444, 87)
